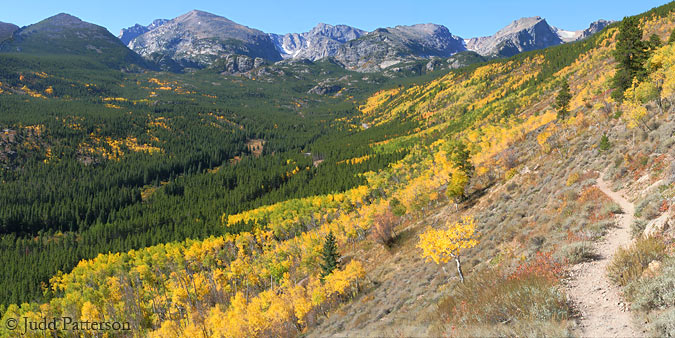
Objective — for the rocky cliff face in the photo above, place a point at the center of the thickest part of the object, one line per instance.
(520, 36)
(593, 28)
(570, 36)
(236, 64)
(527, 34)
(6, 30)
(199, 39)
(322, 41)
(128, 34)
(385, 47)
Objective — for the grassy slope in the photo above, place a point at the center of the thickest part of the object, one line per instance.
(407, 294)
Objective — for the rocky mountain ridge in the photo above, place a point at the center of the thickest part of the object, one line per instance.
(528, 34)
(128, 34)
(198, 39)
(321, 41)
(385, 47)
(6, 30)
(68, 35)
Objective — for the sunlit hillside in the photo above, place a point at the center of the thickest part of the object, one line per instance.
(469, 203)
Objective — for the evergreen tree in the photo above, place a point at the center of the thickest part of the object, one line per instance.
(460, 156)
(562, 101)
(631, 56)
(329, 255)
(654, 41)
(671, 39)
(604, 143)
(397, 207)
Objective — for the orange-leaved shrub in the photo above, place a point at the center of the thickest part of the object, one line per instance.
(543, 265)
(383, 228)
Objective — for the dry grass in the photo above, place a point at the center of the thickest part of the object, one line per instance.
(489, 300)
(628, 264)
(578, 252)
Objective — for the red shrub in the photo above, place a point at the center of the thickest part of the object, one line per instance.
(383, 228)
(542, 265)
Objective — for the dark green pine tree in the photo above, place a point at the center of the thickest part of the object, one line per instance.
(631, 56)
(671, 39)
(562, 101)
(604, 143)
(460, 157)
(329, 255)
(655, 41)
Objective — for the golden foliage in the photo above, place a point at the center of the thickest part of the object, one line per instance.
(441, 245)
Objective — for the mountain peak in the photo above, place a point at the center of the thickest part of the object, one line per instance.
(65, 34)
(200, 12)
(324, 40)
(128, 34)
(322, 25)
(198, 39)
(520, 24)
(425, 28)
(63, 19)
(521, 35)
(195, 13)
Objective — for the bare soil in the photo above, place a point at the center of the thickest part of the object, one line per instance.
(602, 311)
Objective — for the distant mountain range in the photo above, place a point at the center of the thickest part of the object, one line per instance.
(199, 39)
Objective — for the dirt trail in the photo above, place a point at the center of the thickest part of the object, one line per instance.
(603, 312)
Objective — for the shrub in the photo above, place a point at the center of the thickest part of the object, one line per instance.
(658, 292)
(612, 208)
(572, 178)
(604, 144)
(638, 227)
(650, 207)
(510, 173)
(543, 265)
(664, 324)
(489, 298)
(628, 264)
(599, 229)
(383, 228)
(579, 252)
(522, 328)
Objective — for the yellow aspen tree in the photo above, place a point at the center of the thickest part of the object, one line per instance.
(441, 245)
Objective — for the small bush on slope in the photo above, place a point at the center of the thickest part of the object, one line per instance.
(664, 324)
(652, 293)
(579, 252)
(529, 299)
(628, 264)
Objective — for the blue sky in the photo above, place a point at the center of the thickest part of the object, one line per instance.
(467, 18)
